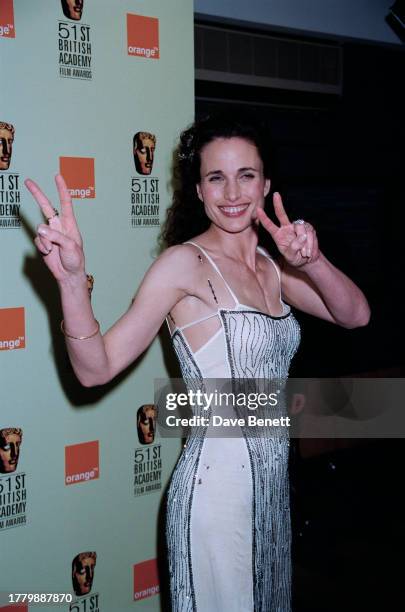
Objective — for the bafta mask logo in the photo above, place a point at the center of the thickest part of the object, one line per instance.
(6, 144)
(146, 423)
(144, 152)
(73, 9)
(83, 572)
(10, 442)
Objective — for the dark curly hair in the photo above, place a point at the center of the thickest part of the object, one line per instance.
(186, 217)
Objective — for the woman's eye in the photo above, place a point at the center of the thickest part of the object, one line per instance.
(215, 179)
(248, 176)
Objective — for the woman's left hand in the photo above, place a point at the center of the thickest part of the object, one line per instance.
(297, 242)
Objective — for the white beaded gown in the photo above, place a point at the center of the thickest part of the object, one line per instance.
(228, 514)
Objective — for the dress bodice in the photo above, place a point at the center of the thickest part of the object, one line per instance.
(248, 344)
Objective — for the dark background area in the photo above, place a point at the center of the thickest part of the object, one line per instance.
(339, 164)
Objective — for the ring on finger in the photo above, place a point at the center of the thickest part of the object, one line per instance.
(55, 214)
(299, 222)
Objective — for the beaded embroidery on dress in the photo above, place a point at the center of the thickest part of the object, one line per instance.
(228, 513)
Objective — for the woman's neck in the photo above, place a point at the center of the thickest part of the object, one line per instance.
(239, 246)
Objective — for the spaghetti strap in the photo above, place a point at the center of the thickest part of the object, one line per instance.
(214, 265)
(267, 256)
(187, 325)
(210, 316)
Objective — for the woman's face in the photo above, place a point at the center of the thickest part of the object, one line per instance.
(232, 184)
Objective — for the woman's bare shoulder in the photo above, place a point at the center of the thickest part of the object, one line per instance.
(176, 263)
(180, 255)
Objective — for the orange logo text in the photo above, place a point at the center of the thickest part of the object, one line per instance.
(143, 36)
(81, 462)
(79, 175)
(7, 19)
(146, 581)
(12, 329)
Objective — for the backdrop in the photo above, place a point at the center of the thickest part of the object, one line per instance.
(99, 91)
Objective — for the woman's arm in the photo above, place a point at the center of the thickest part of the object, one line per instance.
(96, 359)
(99, 359)
(309, 281)
(324, 291)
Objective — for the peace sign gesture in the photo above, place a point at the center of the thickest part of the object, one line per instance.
(59, 240)
(296, 241)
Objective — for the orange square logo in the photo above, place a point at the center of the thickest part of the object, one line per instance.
(79, 175)
(143, 36)
(12, 329)
(146, 581)
(7, 29)
(81, 462)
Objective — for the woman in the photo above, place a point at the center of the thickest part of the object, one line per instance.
(228, 508)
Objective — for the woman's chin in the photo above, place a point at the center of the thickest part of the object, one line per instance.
(237, 227)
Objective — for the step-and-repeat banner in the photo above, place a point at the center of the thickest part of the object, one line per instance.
(98, 91)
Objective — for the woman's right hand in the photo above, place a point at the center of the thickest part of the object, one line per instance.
(59, 241)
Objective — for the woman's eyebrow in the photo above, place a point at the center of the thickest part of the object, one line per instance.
(239, 170)
(214, 172)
